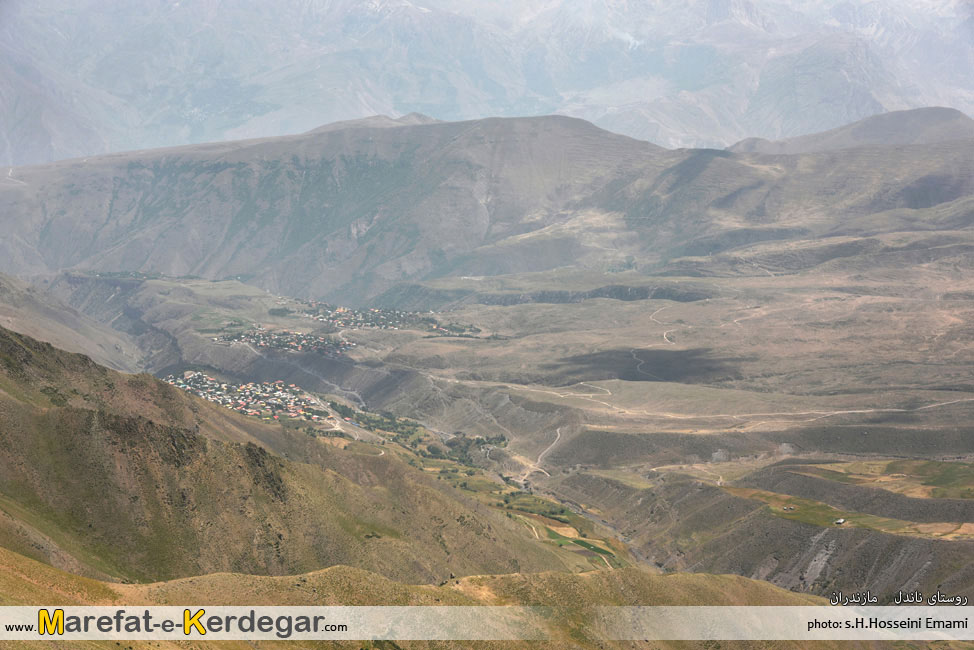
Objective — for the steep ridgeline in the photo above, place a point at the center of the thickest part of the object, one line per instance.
(574, 623)
(349, 211)
(124, 477)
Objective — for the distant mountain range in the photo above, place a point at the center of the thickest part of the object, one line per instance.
(348, 211)
(87, 77)
(640, 310)
(920, 126)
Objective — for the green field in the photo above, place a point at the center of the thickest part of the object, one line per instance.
(822, 514)
(915, 478)
(450, 463)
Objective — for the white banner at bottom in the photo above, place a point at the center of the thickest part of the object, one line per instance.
(423, 623)
(734, 623)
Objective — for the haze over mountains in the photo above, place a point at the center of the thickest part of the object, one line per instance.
(516, 302)
(88, 77)
(674, 352)
(920, 126)
(348, 211)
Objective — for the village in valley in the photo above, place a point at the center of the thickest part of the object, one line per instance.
(281, 333)
(343, 318)
(268, 400)
(292, 341)
(328, 340)
(456, 458)
(371, 318)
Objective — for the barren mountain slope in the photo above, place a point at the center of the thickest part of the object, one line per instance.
(348, 213)
(35, 312)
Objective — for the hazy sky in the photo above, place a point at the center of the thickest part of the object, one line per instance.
(85, 76)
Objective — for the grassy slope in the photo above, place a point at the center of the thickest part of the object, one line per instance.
(122, 476)
(24, 581)
(822, 514)
(914, 478)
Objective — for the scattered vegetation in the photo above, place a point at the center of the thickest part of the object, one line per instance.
(915, 478)
(454, 461)
(822, 514)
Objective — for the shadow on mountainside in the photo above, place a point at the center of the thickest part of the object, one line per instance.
(693, 366)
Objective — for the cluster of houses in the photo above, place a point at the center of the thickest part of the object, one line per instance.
(346, 318)
(288, 340)
(269, 400)
(387, 319)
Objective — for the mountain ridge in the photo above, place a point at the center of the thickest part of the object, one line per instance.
(351, 212)
(175, 486)
(705, 74)
(919, 126)
(25, 582)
